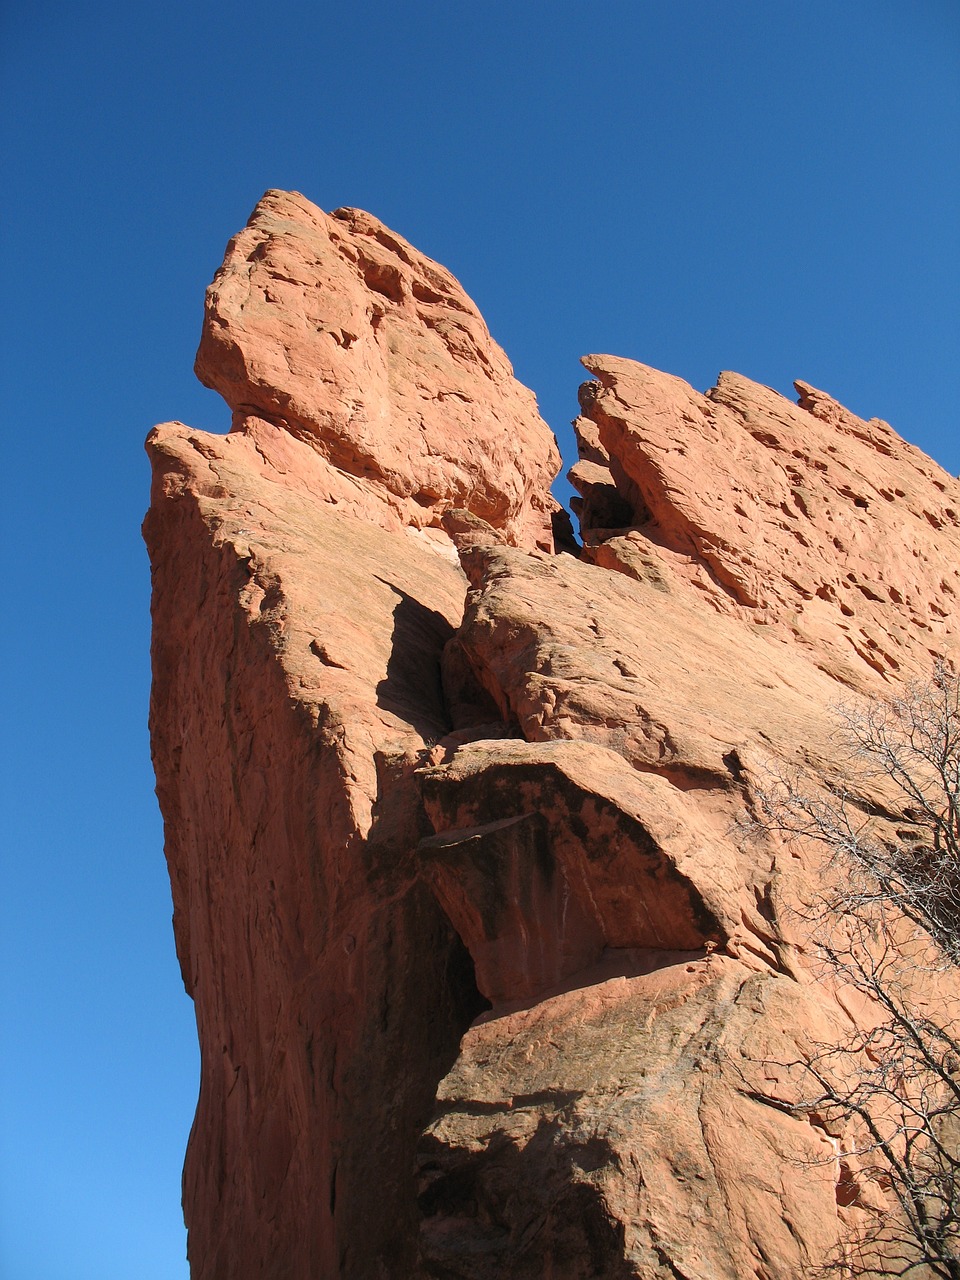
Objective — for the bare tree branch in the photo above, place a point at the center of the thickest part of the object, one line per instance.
(890, 928)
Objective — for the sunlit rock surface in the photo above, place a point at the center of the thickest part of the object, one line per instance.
(491, 976)
(335, 329)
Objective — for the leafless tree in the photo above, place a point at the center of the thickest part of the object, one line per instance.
(890, 927)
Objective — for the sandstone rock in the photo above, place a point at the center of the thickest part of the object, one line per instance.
(585, 854)
(337, 330)
(490, 977)
(624, 1129)
(830, 528)
(296, 673)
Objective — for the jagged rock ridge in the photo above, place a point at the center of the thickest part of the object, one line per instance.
(803, 516)
(487, 980)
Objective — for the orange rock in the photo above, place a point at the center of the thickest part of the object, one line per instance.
(335, 329)
(622, 1129)
(296, 659)
(830, 528)
(490, 977)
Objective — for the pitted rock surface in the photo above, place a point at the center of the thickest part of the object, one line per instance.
(803, 517)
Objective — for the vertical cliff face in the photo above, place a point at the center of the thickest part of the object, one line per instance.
(488, 980)
(304, 590)
(297, 671)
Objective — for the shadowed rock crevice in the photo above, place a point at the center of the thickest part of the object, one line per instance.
(510, 899)
(469, 704)
(520, 1209)
(406, 1040)
(540, 893)
(466, 999)
(413, 686)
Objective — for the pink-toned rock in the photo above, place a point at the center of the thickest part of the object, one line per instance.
(585, 855)
(491, 977)
(676, 1166)
(337, 330)
(629, 1129)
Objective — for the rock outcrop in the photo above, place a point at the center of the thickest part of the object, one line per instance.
(341, 333)
(490, 980)
(804, 517)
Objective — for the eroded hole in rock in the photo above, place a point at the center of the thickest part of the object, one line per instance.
(848, 1190)
(383, 278)
(565, 541)
(604, 507)
(423, 293)
(468, 703)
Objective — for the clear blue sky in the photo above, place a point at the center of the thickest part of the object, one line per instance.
(767, 187)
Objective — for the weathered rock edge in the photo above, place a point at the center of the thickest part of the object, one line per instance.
(337, 330)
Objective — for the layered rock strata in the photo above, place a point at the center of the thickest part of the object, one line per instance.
(489, 978)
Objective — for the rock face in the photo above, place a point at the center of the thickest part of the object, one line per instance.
(340, 332)
(489, 979)
(833, 530)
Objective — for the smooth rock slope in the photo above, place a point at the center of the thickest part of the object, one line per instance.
(490, 978)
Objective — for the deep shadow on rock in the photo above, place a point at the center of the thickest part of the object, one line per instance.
(413, 686)
(522, 1210)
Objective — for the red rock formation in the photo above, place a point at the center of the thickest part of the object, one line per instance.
(397, 793)
(296, 661)
(339, 331)
(832, 529)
